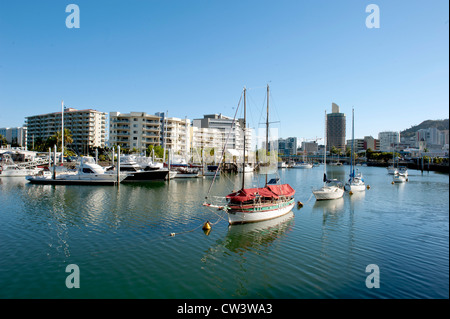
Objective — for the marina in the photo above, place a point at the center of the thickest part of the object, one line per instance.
(120, 237)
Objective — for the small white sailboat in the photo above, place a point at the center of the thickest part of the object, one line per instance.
(399, 178)
(356, 181)
(331, 189)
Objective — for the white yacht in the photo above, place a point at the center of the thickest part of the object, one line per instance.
(399, 178)
(392, 170)
(87, 173)
(246, 168)
(356, 180)
(9, 169)
(356, 183)
(303, 165)
(331, 189)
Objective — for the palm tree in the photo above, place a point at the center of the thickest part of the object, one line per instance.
(67, 138)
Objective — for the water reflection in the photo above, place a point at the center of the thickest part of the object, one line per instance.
(241, 238)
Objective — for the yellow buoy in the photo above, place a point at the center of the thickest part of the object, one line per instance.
(206, 226)
(392, 183)
(368, 186)
(350, 193)
(299, 204)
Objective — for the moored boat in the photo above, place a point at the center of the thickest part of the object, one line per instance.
(88, 173)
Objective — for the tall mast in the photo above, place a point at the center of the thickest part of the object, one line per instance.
(325, 152)
(353, 141)
(267, 129)
(243, 164)
(62, 131)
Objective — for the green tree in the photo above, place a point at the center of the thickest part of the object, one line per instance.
(3, 141)
(57, 138)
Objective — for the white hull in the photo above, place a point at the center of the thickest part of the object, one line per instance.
(303, 166)
(392, 170)
(399, 178)
(77, 179)
(19, 172)
(240, 217)
(328, 192)
(358, 187)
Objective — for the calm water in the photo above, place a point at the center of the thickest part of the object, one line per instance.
(119, 238)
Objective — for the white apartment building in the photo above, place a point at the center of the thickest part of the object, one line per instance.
(88, 128)
(139, 130)
(176, 135)
(232, 135)
(15, 135)
(135, 130)
(388, 140)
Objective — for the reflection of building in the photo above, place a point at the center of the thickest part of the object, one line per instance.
(287, 146)
(388, 140)
(88, 128)
(15, 136)
(336, 129)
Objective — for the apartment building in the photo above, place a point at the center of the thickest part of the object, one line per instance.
(88, 128)
(139, 130)
(388, 140)
(287, 146)
(135, 130)
(232, 134)
(16, 136)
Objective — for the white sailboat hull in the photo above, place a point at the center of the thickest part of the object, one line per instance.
(398, 178)
(251, 217)
(303, 166)
(357, 187)
(328, 193)
(392, 170)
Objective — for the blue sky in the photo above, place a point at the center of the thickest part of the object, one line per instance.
(194, 57)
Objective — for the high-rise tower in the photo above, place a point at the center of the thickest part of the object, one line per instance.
(336, 129)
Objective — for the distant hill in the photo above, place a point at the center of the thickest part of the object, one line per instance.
(439, 124)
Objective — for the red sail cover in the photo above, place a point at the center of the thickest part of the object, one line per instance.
(270, 191)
